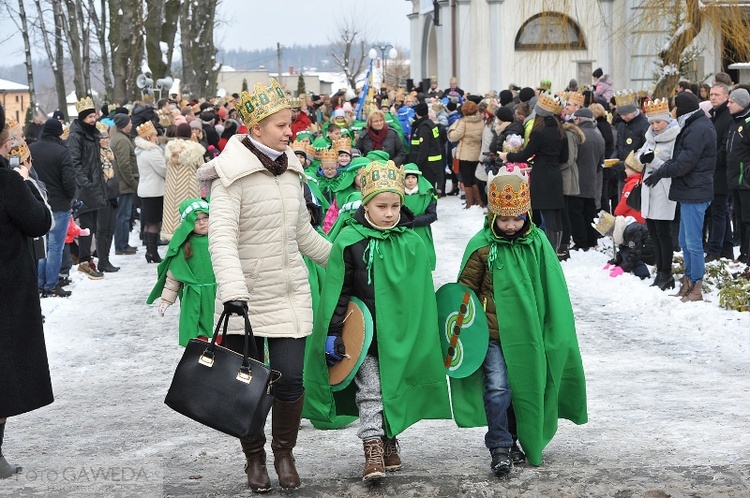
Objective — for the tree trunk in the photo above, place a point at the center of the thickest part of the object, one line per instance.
(100, 28)
(73, 37)
(85, 31)
(126, 43)
(153, 27)
(672, 53)
(27, 51)
(56, 58)
(199, 69)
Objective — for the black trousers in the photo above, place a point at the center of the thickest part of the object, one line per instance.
(286, 355)
(582, 212)
(86, 220)
(660, 232)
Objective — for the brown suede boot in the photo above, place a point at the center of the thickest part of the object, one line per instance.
(695, 293)
(285, 426)
(684, 287)
(374, 462)
(469, 193)
(255, 464)
(478, 196)
(390, 454)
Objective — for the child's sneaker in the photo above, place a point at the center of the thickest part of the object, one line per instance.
(501, 462)
(90, 271)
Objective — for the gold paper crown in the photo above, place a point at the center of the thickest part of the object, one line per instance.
(545, 85)
(604, 224)
(21, 150)
(385, 103)
(86, 103)
(508, 192)
(343, 143)
(657, 107)
(295, 103)
(65, 133)
(625, 97)
(328, 156)
(14, 127)
(146, 129)
(263, 102)
(550, 102)
(576, 98)
(304, 147)
(102, 127)
(378, 177)
(111, 107)
(632, 162)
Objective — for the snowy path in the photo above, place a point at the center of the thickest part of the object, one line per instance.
(668, 390)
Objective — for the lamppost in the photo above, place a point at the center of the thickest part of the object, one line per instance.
(373, 54)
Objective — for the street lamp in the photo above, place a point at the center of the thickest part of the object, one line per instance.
(392, 53)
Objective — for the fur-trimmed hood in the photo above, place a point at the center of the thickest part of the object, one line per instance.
(575, 129)
(184, 152)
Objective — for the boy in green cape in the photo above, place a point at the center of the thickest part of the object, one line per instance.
(533, 356)
(420, 198)
(186, 272)
(380, 260)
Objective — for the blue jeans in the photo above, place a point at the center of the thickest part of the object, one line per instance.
(720, 235)
(691, 238)
(496, 398)
(48, 269)
(122, 220)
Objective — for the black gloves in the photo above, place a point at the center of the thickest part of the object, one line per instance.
(647, 157)
(651, 180)
(235, 307)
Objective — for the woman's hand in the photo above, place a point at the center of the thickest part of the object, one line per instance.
(23, 171)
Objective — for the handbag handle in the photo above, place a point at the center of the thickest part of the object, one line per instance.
(249, 344)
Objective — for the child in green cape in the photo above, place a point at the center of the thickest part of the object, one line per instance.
(420, 198)
(377, 258)
(533, 355)
(186, 272)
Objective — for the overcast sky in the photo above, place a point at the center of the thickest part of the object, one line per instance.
(256, 25)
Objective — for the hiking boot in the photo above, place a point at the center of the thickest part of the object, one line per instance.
(516, 454)
(127, 251)
(56, 291)
(391, 457)
(695, 293)
(374, 463)
(501, 463)
(684, 287)
(90, 271)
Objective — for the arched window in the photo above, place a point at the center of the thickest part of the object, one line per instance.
(550, 31)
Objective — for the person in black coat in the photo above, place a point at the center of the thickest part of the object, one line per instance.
(378, 136)
(720, 230)
(55, 169)
(738, 167)
(24, 368)
(631, 135)
(34, 129)
(426, 148)
(692, 172)
(546, 149)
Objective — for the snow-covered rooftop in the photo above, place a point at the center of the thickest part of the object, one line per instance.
(12, 85)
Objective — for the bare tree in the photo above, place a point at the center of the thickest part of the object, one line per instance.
(161, 29)
(21, 21)
(57, 56)
(126, 44)
(79, 44)
(99, 20)
(349, 48)
(199, 68)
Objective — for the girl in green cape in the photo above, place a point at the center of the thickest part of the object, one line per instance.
(377, 258)
(533, 355)
(186, 272)
(420, 198)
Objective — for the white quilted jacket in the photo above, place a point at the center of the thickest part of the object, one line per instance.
(259, 228)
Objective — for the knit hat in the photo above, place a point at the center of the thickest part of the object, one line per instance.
(598, 73)
(377, 178)
(85, 113)
(421, 109)
(339, 113)
(506, 97)
(686, 102)
(504, 114)
(525, 94)
(196, 124)
(121, 120)
(184, 130)
(573, 84)
(58, 114)
(739, 96)
(508, 192)
(584, 113)
(52, 127)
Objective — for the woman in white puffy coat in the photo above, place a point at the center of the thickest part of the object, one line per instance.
(259, 229)
(656, 207)
(152, 171)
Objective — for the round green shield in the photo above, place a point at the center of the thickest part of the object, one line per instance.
(464, 334)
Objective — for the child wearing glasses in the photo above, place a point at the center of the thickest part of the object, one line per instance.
(186, 272)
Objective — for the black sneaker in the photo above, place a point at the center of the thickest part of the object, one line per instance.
(501, 464)
(517, 454)
(57, 291)
(63, 281)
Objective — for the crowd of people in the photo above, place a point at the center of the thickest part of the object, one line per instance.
(284, 209)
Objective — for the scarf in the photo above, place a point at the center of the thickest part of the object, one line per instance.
(378, 137)
(276, 167)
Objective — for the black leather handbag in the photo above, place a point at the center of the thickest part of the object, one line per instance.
(222, 389)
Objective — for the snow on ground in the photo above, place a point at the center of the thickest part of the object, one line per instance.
(668, 401)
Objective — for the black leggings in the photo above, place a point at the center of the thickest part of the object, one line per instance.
(286, 355)
(660, 232)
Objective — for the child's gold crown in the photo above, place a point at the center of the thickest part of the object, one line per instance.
(343, 143)
(85, 104)
(604, 224)
(13, 126)
(379, 177)
(304, 147)
(328, 156)
(508, 192)
(295, 103)
(263, 102)
(576, 98)
(21, 150)
(657, 107)
(626, 97)
(102, 127)
(146, 129)
(550, 102)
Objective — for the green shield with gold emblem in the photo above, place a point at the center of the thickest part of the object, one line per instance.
(464, 334)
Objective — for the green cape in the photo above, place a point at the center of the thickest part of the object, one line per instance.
(538, 339)
(417, 204)
(412, 375)
(196, 274)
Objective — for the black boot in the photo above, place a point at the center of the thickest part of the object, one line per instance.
(152, 244)
(103, 247)
(516, 453)
(667, 280)
(501, 463)
(6, 469)
(658, 280)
